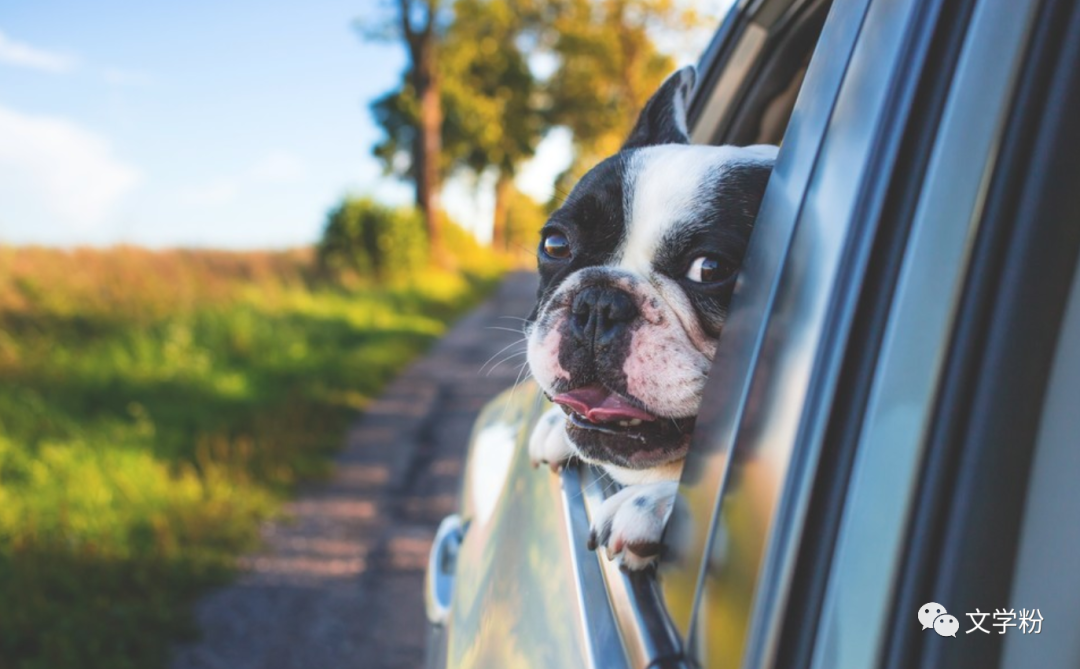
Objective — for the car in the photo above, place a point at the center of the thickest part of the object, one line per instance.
(891, 419)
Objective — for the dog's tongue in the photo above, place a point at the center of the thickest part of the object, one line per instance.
(600, 405)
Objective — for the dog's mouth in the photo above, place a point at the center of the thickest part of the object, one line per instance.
(612, 428)
(596, 407)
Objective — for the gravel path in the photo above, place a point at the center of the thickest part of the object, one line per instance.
(338, 584)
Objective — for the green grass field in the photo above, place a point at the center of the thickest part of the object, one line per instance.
(154, 406)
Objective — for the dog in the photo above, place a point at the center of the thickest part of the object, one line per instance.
(637, 268)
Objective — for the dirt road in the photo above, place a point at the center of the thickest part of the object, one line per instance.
(339, 582)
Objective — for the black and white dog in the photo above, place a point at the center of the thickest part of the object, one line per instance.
(636, 271)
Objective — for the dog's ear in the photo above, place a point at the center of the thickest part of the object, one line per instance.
(663, 121)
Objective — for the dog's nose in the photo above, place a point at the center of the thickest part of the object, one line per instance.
(600, 314)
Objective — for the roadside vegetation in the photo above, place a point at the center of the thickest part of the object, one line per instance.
(156, 406)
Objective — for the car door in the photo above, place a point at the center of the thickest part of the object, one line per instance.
(824, 488)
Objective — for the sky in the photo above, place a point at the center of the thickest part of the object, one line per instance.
(232, 124)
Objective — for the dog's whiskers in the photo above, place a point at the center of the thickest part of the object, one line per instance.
(504, 360)
(520, 379)
(499, 352)
(513, 389)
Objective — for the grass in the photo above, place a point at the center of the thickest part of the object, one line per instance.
(154, 407)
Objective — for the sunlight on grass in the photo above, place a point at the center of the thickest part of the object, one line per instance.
(154, 407)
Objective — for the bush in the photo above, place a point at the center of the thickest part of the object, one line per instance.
(370, 240)
(367, 242)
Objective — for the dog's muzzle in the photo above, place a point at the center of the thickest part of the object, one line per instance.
(600, 317)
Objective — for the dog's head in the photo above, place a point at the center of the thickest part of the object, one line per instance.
(636, 271)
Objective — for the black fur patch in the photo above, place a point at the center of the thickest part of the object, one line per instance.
(718, 226)
(592, 218)
(660, 121)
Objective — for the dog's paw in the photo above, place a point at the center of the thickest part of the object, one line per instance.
(548, 443)
(630, 523)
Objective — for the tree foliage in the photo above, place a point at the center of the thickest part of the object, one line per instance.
(608, 65)
(490, 115)
(496, 104)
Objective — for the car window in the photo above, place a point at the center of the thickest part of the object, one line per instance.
(694, 545)
(748, 95)
(611, 618)
(691, 526)
(764, 446)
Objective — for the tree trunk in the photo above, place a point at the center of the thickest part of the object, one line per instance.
(427, 146)
(503, 190)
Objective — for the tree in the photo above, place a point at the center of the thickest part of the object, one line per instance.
(494, 110)
(491, 119)
(493, 115)
(414, 113)
(608, 65)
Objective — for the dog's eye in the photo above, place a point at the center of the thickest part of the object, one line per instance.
(556, 246)
(709, 269)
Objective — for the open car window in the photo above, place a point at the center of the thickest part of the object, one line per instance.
(746, 92)
(697, 544)
(512, 516)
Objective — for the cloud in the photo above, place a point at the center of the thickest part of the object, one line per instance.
(59, 171)
(24, 55)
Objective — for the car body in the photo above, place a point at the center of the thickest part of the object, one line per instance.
(892, 414)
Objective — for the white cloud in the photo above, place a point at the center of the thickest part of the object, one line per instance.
(59, 172)
(24, 55)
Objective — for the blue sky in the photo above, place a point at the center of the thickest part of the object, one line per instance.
(234, 124)
(229, 124)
